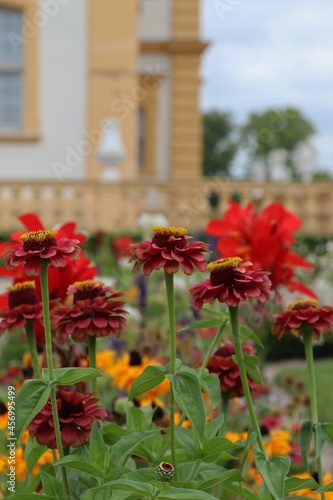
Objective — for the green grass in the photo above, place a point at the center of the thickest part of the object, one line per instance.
(324, 379)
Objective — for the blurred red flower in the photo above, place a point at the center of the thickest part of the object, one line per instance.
(59, 278)
(264, 239)
(121, 246)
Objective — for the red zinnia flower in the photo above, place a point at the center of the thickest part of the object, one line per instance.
(95, 312)
(23, 306)
(303, 315)
(77, 413)
(231, 281)
(264, 239)
(169, 249)
(222, 364)
(121, 246)
(38, 245)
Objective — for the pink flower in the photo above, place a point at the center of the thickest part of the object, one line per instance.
(77, 413)
(96, 311)
(303, 314)
(231, 281)
(40, 245)
(23, 306)
(169, 249)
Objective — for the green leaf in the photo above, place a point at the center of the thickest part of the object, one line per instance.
(250, 440)
(137, 420)
(202, 323)
(71, 376)
(51, 486)
(29, 496)
(32, 452)
(305, 440)
(216, 448)
(80, 463)
(328, 487)
(297, 483)
(186, 440)
(213, 427)
(210, 384)
(151, 377)
(252, 366)
(328, 428)
(320, 438)
(146, 490)
(246, 334)
(98, 451)
(273, 472)
(221, 314)
(30, 399)
(244, 493)
(124, 447)
(184, 494)
(187, 392)
(227, 477)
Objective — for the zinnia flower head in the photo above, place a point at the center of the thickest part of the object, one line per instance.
(301, 316)
(231, 281)
(36, 246)
(222, 364)
(23, 305)
(96, 311)
(77, 413)
(169, 248)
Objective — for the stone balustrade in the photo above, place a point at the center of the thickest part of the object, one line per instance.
(117, 205)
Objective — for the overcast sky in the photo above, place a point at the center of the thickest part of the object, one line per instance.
(271, 53)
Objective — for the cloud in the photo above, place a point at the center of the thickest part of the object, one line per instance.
(265, 53)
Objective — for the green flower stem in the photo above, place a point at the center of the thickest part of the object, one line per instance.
(92, 359)
(212, 346)
(29, 329)
(242, 370)
(307, 337)
(49, 359)
(169, 284)
(225, 411)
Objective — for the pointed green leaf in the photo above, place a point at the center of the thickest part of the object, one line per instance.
(273, 472)
(187, 392)
(210, 384)
(320, 438)
(146, 490)
(32, 452)
(252, 365)
(305, 440)
(327, 487)
(52, 487)
(29, 496)
(216, 448)
(247, 334)
(202, 323)
(221, 314)
(151, 377)
(328, 428)
(213, 426)
(79, 463)
(71, 376)
(30, 399)
(184, 494)
(297, 483)
(98, 450)
(186, 439)
(124, 447)
(226, 477)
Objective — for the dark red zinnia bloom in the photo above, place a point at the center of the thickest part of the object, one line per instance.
(231, 281)
(222, 364)
(265, 239)
(77, 413)
(169, 248)
(23, 306)
(301, 316)
(40, 245)
(96, 311)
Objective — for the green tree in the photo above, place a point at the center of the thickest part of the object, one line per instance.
(274, 129)
(219, 144)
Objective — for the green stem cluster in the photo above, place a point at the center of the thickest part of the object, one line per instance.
(49, 359)
(169, 284)
(307, 337)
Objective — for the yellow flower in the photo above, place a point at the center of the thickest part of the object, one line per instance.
(105, 361)
(279, 443)
(4, 416)
(236, 436)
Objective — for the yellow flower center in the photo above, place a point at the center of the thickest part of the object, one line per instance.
(222, 264)
(35, 241)
(88, 284)
(177, 232)
(18, 287)
(303, 304)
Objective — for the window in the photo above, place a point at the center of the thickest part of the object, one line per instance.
(11, 70)
(19, 33)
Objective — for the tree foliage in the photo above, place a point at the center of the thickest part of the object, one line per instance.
(274, 129)
(219, 144)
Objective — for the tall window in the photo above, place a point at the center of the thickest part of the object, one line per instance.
(11, 71)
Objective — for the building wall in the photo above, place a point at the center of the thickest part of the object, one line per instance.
(61, 40)
(155, 20)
